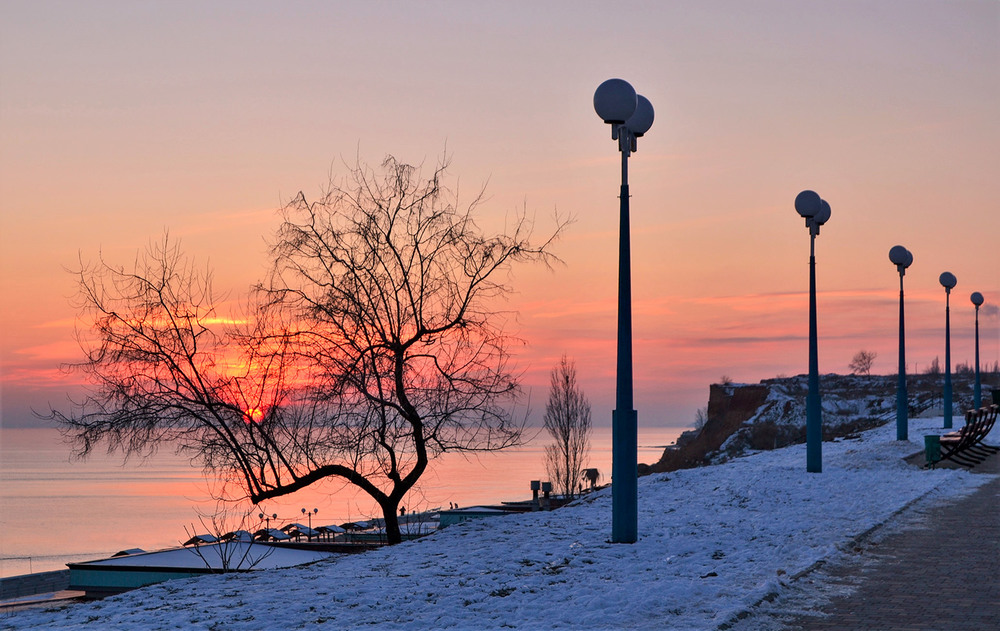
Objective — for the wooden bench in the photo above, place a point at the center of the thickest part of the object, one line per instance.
(967, 446)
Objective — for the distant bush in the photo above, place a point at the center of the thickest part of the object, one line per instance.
(934, 368)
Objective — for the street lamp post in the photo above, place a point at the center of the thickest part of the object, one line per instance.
(816, 213)
(948, 281)
(268, 518)
(977, 392)
(901, 258)
(630, 116)
(310, 515)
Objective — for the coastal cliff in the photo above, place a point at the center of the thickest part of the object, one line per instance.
(741, 418)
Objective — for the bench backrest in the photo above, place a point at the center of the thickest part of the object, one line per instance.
(971, 432)
(979, 423)
(990, 417)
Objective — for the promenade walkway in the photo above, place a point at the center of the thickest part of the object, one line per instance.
(939, 569)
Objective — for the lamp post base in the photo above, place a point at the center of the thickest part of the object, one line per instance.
(624, 477)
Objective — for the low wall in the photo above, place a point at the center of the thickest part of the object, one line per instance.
(31, 584)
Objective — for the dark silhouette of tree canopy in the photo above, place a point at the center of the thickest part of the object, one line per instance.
(375, 344)
(567, 419)
(861, 363)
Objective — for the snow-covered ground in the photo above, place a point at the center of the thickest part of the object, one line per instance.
(712, 543)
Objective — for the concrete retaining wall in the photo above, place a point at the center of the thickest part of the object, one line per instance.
(31, 584)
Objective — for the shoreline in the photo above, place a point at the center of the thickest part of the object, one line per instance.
(98, 507)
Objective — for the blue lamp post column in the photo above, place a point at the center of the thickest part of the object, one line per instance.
(816, 213)
(948, 281)
(977, 392)
(630, 116)
(901, 258)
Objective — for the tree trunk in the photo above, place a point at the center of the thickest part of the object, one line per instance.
(568, 482)
(390, 514)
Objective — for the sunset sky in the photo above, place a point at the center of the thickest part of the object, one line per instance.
(120, 120)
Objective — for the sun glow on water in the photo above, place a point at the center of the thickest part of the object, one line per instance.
(95, 507)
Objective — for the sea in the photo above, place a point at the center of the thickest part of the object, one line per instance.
(55, 509)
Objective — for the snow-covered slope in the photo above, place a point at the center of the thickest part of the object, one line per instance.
(713, 541)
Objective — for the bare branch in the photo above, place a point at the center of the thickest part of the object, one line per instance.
(375, 344)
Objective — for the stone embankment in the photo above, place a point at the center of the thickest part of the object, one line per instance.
(746, 417)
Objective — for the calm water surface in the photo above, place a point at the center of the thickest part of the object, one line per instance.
(55, 510)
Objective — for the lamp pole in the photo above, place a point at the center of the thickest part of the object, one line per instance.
(310, 515)
(630, 116)
(268, 518)
(816, 212)
(901, 258)
(948, 281)
(977, 392)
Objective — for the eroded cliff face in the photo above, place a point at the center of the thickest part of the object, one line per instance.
(742, 418)
(729, 407)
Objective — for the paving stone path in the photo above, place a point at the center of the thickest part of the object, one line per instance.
(940, 571)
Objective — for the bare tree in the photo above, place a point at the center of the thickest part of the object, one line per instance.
(861, 363)
(934, 368)
(567, 419)
(700, 417)
(232, 549)
(375, 345)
